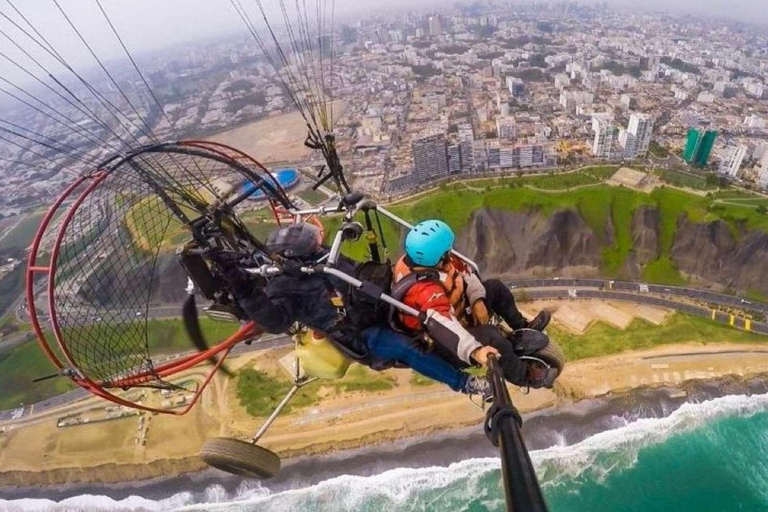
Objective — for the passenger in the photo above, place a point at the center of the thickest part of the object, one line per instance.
(430, 277)
(316, 301)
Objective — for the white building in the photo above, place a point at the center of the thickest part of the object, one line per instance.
(641, 128)
(506, 127)
(602, 125)
(732, 158)
(762, 176)
(435, 28)
(754, 121)
(562, 80)
(628, 143)
(571, 100)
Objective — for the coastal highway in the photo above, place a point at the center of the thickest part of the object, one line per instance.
(562, 289)
(720, 299)
(691, 309)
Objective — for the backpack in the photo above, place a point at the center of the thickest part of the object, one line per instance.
(364, 311)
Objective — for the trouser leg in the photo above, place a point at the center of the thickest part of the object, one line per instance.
(500, 300)
(515, 371)
(388, 344)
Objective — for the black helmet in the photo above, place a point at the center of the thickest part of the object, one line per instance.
(295, 240)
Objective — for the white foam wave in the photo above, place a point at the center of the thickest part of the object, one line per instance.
(91, 503)
(618, 448)
(600, 454)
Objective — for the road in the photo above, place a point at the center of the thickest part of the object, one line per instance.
(655, 295)
(719, 299)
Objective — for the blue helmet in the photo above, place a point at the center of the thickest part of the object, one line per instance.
(428, 242)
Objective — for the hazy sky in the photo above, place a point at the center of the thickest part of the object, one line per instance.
(150, 24)
(147, 24)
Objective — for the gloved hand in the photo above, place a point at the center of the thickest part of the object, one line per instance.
(241, 283)
(292, 268)
(539, 376)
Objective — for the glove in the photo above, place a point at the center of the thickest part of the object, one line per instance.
(241, 282)
(292, 268)
(474, 288)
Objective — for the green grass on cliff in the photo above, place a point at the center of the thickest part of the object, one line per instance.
(602, 339)
(260, 392)
(607, 210)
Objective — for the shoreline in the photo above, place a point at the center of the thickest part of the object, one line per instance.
(564, 423)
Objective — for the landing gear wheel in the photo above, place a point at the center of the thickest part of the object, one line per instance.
(240, 458)
(553, 355)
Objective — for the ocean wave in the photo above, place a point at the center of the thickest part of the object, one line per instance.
(449, 487)
(617, 449)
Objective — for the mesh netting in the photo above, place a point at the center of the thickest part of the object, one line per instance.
(107, 267)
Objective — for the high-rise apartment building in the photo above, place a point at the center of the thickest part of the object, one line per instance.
(640, 128)
(602, 125)
(430, 156)
(732, 158)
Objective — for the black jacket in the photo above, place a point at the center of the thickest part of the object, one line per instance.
(306, 299)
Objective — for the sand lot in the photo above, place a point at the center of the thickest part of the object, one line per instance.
(275, 139)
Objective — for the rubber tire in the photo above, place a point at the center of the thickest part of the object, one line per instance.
(240, 458)
(553, 355)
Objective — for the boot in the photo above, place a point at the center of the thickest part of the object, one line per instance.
(541, 321)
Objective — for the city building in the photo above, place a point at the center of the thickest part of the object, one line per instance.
(641, 129)
(515, 86)
(435, 27)
(698, 146)
(506, 127)
(454, 159)
(602, 126)
(762, 176)
(466, 139)
(754, 121)
(732, 158)
(628, 143)
(430, 156)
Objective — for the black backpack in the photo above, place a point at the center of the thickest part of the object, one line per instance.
(364, 311)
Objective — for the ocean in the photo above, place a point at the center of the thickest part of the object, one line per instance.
(707, 456)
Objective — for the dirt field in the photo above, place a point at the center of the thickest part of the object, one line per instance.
(276, 139)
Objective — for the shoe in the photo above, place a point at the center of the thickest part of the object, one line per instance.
(541, 321)
(478, 386)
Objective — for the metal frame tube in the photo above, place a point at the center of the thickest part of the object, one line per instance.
(358, 284)
(333, 256)
(405, 224)
(297, 385)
